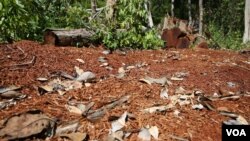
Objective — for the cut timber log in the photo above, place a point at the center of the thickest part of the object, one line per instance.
(65, 37)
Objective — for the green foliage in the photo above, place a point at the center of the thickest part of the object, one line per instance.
(226, 26)
(231, 40)
(12, 12)
(227, 15)
(76, 17)
(128, 28)
(159, 9)
(26, 19)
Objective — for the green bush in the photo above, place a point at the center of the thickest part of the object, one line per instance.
(27, 19)
(12, 19)
(128, 28)
(230, 40)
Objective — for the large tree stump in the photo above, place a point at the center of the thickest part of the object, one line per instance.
(64, 37)
(171, 36)
(183, 42)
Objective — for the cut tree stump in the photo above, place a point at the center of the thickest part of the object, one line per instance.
(65, 37)
(183, 42)
(177, 34)
(171, 36)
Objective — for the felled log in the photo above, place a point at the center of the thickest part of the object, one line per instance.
(65, 37)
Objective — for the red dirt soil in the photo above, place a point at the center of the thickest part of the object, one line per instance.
(209, 71)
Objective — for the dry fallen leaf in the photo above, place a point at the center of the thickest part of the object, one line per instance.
(106, 52)
(229, 114)
(74, 109)
(9, 88)
(7, 103)
(45, 89)
(180, 90)
(86, 77)
(26, 125)
(70, 85)
(12, 94)
(80, 60)
(66, 128)
(117, 136)
(164, 93)
(242, 120)
(121, 70)
(149, 80)
(176, 79)
(95, 115)
(42, 79)
(197, 107)
(78, 71)
(75, 136)
(158, 109)
(144, 135)
(120, 123)
(102, 59)
(154, 132)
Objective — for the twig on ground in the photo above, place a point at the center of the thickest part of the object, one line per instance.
(21, 49)
(7, 46)
(178, 138)
(243, 67)
(31, 62)
(25, 54)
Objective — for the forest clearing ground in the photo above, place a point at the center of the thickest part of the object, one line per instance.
(210, 71)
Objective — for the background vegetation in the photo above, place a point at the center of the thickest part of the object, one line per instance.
(26, 19)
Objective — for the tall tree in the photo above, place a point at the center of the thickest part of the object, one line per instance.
(172, 8)
(110, 4)
(200, 17)
(93, 7)
(189, 13)
(148, 7)
(246, 37)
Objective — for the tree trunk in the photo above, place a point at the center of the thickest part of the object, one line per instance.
(147, 5)
(246, 37)
(64, 37)
(110, 4)
(93, 7)
(201, 17)
(172, 8)
(189, 13)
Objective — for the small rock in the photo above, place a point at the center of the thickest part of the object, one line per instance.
(121, 70)
(87, 84)
(106, 52)
(177, 113)
(102, 59)
(231, 84)
(104, 64)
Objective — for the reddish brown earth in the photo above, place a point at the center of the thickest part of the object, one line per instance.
(209, 71)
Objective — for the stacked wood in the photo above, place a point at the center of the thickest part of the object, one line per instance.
(177, 34)
(65, 37)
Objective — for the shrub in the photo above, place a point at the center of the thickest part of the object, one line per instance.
(230, 40)
(128, 28)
